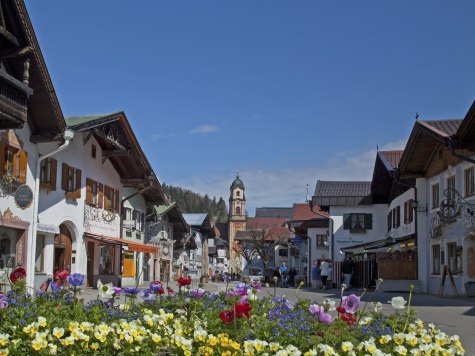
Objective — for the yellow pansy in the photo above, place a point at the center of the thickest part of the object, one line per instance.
(58, 332)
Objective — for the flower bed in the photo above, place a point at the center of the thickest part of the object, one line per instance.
(245, 320)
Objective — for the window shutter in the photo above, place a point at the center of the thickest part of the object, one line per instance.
(398, 216)
(2, 158)
(64, 177)
(77, 192)
(346, 221)
(368, 221)
(54, 169)
(107, 202)
(117, 200)
(88, 191)
(23, 166)
(100, 193)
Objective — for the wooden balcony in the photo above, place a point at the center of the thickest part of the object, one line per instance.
(13, 102)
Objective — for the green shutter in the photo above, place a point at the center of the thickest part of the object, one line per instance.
(368, 221)
(346, 221)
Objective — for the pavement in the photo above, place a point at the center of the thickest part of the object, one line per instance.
(453, 315)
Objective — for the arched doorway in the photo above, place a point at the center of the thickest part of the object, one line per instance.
(62, 250)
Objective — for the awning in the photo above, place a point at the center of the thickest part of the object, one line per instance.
(138, 247)
(131, 245)
(373, 245)
(106, 239)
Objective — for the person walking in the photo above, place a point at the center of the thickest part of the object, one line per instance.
(292, 274)
(316, 274)
(276, 275)
(324, 273)
(284, 271)
(347, 269)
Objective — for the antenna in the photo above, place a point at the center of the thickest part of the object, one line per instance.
(307, 197)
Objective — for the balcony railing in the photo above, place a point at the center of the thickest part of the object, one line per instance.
(13, 101)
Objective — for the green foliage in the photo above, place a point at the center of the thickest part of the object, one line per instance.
(190, 202)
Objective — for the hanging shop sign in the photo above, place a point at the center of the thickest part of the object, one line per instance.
(23, 196)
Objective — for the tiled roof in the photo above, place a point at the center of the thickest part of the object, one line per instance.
(265, 223)
(343, 188)
(302, 212)
(221, 230)
(446, 127)
(392, 157)
(195, 219)
(274, 213)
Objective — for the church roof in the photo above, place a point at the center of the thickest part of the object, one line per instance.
(237, 183)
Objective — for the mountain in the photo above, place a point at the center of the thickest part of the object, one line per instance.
(191, 202)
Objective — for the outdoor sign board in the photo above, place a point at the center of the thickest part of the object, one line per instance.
(23, 196)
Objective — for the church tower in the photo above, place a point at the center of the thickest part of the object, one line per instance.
(236, 220)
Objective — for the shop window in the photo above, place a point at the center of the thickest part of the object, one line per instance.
(322, 241)
(435, 196)
(357, 222)
(40, 254)
(469, 182)
(454, 256)
(5, 251)
(48, 171)
(436, 259)
(13, 163)
(106, 259)
(71, 181)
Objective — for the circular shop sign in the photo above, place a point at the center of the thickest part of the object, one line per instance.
(23, 197)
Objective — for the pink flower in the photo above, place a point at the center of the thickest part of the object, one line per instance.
(315, 309)
(351, 303)
(325, 318)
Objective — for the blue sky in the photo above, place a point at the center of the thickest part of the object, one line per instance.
(285, 92)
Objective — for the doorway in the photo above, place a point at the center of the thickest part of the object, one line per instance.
(90, 263)
(62, 250)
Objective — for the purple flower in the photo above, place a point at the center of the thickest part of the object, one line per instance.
(3, 301)
(351, 303)
(55, 287)
(155, 287)
(325, 318)
(147, 294)
(315, 309)
(76, 279)
(117, 291)
(131, 291)
(197, 293)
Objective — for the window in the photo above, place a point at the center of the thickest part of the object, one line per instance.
(396, 217)
(469, 182)
(106, 259)
(238, 193)
(71, 181)
(357, 222)
(111, 199)
(436, 259)
(390, 221)
(435, 196)
(13, 162)
(94, 193)
(451, 187)
(93, 151)
(238, 210)
(283, 252)
(321, 240)
(139, 218)
(408, 212)
(48, 170)
(454, 256)
(40, 254)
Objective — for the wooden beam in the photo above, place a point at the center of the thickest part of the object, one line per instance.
(46, 137)
(86, 137)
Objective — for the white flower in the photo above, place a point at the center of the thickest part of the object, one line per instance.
(329, 305)
(398, 303)
(377, 306)
(105, 290)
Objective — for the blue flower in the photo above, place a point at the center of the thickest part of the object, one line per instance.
(55, 287)
(76, 279)
(131, 291)
(146, 294)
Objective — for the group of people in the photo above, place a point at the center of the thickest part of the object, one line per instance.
(323, 269)
(285, 275)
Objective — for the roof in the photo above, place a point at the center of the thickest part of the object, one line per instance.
(342, 193)
(221, 230)
(383, 184)
(302, 211)
(444, 127)
(265, 223)
(237, 183)
(175, 216)
(197, 220)
(273, 212)
(80, 123)
(391, 158)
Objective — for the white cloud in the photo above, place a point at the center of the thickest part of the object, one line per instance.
(204, 129)
(283, 187)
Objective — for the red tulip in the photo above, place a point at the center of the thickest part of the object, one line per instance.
(243, 309)
(341, 310)
(184, 281)
(61, 274)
